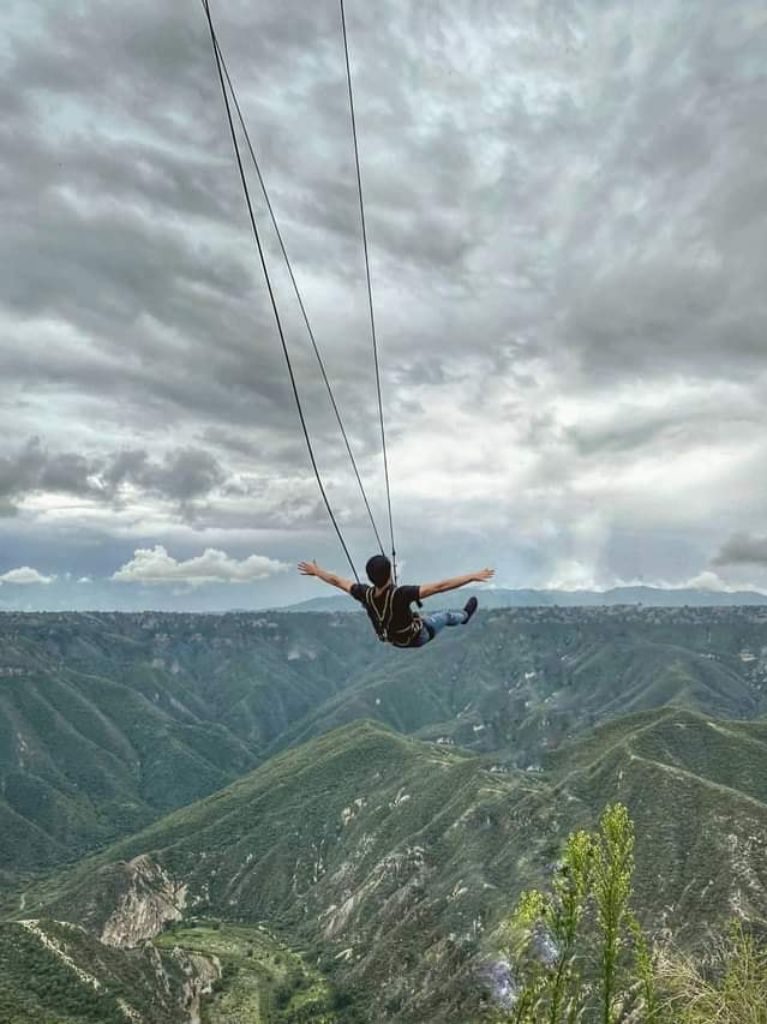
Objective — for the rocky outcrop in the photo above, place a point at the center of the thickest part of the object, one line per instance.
(148, 899)
(202, 972)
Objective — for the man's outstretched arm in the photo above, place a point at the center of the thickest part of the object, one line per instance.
(430, 589)
(312, 569)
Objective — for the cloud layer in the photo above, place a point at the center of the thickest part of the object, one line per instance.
(566, 206)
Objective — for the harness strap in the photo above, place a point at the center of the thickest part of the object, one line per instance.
(384, 617)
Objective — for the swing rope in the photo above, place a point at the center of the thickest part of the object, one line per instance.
(267, 279)
(369, 288)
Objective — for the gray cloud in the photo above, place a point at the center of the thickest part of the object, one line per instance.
(668, 267)
(33, 469)
(182, 476)
(743, 549)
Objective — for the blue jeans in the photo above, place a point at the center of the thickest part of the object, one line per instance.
(438, 621)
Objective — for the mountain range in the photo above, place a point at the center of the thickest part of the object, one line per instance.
(109, 720)
(498, 597)
(349, 825)
(393, 862)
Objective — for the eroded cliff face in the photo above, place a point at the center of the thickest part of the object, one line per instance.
(202, 972)
(147, 900)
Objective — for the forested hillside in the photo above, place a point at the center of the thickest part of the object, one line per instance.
(393, 860)
(106, 721)
(377, 812)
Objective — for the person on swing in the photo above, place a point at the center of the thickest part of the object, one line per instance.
(388, 607)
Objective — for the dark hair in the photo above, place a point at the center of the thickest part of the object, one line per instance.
(378, 569)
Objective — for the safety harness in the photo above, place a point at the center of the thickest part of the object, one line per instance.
(382, 619)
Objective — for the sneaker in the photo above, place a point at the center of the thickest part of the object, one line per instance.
(469, 608)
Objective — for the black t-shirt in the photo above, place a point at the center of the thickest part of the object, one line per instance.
(390, 612)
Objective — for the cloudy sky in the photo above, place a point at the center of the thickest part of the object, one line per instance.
(567, 212)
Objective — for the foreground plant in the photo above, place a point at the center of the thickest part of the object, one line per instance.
(579, 954)
(579, 950)
(728, 987)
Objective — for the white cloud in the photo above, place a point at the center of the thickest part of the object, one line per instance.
(155, 565)
(25, 576)
(575, 575)
(709, 580)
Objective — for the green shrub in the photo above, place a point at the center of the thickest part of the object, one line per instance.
(579, 951)
(581, 957)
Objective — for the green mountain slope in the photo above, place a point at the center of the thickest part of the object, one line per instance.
(52, 972)
(55, 973)
(107, 721)
(697, 790)
(393, 860)
(262, 980)
(529, 679)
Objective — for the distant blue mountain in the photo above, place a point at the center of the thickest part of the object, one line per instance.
(651, 597)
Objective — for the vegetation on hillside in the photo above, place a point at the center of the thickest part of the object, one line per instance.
(107, 721)
(52, 973)
(387, 860)
(263, 980)
(392, 859)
